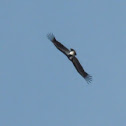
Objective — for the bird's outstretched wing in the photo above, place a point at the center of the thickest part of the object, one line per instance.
(59, 46)
(80, 69)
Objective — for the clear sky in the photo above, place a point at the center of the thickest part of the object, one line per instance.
(39, 86)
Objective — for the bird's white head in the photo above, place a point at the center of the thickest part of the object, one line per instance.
(72, 52)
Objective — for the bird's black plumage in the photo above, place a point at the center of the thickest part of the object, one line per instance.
(58, 45)
(80, 69)
(71, 56)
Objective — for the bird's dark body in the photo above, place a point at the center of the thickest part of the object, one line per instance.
(70, 57)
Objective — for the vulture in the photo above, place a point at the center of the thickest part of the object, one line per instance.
(71, 54)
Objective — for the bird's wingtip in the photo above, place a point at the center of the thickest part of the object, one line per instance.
(88, 78)
(50, 36)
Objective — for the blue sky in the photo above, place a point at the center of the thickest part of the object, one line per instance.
(39, 86)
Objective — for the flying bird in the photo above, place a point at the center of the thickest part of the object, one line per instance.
(71, 54)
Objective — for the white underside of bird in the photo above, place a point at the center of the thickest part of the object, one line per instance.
(72, 53)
